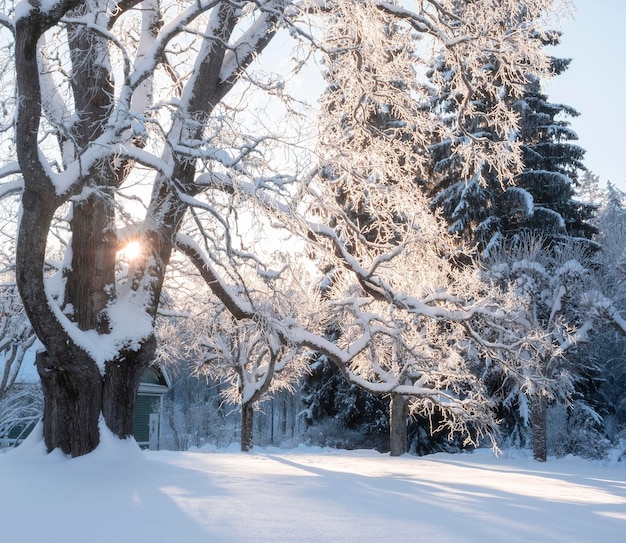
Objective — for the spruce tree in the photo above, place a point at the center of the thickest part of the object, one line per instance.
(484, 209)
(552, 163)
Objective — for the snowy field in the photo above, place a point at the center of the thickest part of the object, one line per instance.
(119, 494)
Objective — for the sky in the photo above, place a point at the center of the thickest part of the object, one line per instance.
(306, 495)
(594, 84)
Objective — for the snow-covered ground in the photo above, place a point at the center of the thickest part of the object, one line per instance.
(119, 494)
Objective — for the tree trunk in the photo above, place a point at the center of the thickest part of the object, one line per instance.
(273, 401)
(91, 280)
(538, 407)
(76, 394)
(247, 418)
(72, 391)
(283, 426)
(121, 382)
(398, 412)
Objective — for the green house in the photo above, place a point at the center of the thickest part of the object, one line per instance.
(149, 407)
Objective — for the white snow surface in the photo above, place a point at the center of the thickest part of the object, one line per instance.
(121, 494)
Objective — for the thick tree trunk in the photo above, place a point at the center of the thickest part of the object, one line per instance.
(398, 413)
(538, 408)
(121, 382)
(247, 432)
(91, 281)
(72, 391)
(76, 395)
(75, 392)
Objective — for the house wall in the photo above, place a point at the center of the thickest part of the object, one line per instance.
(145, 406)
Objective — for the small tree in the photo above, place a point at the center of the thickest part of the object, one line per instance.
(16, 333)
(16, 337)
(559, 303)
(253, 363)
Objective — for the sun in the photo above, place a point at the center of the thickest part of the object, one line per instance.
(132, 250)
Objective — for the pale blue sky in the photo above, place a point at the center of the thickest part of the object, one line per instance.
(594, 84)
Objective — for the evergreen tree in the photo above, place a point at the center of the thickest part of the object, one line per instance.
(493, 214)
(552, 163)
(610, 349)
(341, 414)
(484, 208)
(589, 189)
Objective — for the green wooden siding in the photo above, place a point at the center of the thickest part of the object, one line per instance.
(146, 404)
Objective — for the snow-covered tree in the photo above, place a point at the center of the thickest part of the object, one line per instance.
(372, 155)
(590, 190)
(108, 95)
(552, 167)
(130, 123)
(254, 365)
(608, 351)
(16, 337)
(486, 207)
(16, 334)
(20, 409)
(559, 304)
(20, 402)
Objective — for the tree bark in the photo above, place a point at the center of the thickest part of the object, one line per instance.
(538, 408)
(72, 390)
(247, 432)
(91, 281)
(120, 385)
(398, 413)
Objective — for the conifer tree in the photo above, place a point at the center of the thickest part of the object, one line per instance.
(552, 163)
(589, 189)
(485, 208)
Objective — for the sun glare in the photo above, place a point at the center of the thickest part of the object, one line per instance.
(132, 250)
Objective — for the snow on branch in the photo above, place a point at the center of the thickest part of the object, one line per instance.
(12, 187)
(173, 28)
